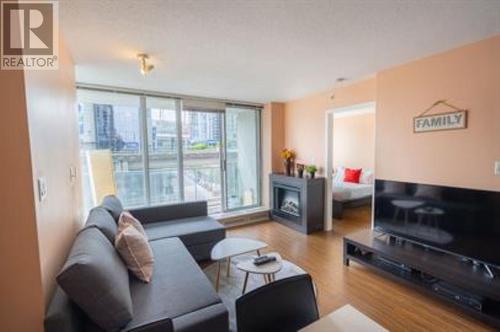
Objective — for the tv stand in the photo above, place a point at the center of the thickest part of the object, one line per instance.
(458, 282)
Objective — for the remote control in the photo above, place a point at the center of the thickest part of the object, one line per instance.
(264, 259)
(259, 258)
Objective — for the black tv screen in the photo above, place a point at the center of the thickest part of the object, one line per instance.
(465, 222)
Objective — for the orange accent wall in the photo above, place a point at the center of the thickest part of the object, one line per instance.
(468, 77)
(53, 125)
(273, 140)
(305, 118)
(21, 296)
(278, 135)
(38, 137)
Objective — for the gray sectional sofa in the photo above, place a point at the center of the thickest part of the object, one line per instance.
(179, 297)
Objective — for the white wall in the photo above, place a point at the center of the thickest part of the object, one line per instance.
(354, 140)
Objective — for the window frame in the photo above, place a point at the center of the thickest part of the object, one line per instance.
(258, 160)
(179, 101)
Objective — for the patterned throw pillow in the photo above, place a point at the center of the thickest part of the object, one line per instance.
(135, 252)
(127, 219)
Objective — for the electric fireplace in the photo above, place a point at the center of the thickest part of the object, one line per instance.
(297, 202)
(287, 201)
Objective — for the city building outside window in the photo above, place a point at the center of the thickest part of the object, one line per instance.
(152, 151)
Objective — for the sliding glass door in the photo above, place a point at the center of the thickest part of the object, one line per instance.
(111, 147)
(202, 142)
(163, 157)
(242, 157)
(156, 150)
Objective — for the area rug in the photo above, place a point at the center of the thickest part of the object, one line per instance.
(230, 287)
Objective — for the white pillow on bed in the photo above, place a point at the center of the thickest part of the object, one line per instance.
(366, 176)
(338, 174)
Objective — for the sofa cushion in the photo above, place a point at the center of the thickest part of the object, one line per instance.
(202, 251)
(95, 278)
(126, 219)
(135, 251)
(178, 286)
(63, 315)
(100, 218)
(191, 231)
(113, 205)
(212, 318)
(166, 212)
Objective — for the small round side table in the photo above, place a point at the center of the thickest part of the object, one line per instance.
(268, 270)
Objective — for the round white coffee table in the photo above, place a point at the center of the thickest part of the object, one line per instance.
(268, 270)
(230, 247)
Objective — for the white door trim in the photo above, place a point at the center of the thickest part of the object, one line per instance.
(330, 114)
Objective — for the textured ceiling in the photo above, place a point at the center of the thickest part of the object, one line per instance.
(262, 50)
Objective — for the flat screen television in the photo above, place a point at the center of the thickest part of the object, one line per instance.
(464, 222)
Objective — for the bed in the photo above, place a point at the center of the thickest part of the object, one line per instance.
(346, 191)
(348, 194)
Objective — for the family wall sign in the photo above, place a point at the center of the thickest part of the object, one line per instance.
(442, 121)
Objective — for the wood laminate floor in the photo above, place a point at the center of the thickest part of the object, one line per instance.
(394, 306)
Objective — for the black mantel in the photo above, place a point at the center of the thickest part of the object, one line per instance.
(297, 202)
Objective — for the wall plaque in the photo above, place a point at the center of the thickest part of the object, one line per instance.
(442, 121)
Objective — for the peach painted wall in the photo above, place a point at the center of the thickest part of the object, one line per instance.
(21, 296)
(305, 118)
(38, 138)
(354, 141)
(52, 113)
(468, 77)
(273, 140)
(266, 134)
(278, 135)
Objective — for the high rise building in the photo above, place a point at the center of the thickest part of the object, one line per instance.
(104, 126)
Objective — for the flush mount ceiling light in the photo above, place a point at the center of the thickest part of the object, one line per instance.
(143, 65)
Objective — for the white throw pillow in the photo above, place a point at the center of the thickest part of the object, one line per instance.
(339, 174)
(366, 176)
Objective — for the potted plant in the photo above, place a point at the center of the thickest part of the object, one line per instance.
(311, 169)
(300, 170)
(287, 155)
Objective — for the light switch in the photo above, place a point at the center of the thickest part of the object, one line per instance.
(497, 167)
(42, 189)
(72, 174)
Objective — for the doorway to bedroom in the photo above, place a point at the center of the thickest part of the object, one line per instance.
(351, 163)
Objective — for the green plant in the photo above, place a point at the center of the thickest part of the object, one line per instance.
(311, 169)
(199, 146)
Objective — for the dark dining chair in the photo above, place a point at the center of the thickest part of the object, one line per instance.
(284, 305)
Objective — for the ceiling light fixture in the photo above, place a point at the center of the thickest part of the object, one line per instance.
(143, 65)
